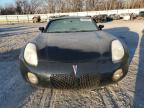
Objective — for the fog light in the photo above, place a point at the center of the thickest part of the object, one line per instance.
(117, 75)
(32, 78)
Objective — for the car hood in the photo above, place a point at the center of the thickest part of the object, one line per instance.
(74, 47)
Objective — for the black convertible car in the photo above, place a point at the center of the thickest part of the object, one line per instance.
(73, 52)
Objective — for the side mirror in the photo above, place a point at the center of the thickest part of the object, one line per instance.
(100, 27)
(41, 29)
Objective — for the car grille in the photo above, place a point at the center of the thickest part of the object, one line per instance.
(71, 81)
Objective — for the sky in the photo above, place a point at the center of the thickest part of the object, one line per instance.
(5, 2)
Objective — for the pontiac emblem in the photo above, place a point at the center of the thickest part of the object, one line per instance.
(75, 69)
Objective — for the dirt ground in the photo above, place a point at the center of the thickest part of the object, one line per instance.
(15, 93)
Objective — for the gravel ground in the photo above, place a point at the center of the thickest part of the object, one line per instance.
(15, 93)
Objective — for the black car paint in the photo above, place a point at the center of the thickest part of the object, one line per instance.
(90, 51)
(67, 47)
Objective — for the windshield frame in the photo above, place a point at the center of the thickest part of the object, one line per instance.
(51, 20)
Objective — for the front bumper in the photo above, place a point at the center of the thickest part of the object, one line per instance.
(61, 75)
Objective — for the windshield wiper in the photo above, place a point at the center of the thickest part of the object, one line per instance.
(71, 31)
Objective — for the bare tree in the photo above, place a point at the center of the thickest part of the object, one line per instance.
(22, 6)
(18, 7)
(52, 6)
(37, 6)
(9, 10)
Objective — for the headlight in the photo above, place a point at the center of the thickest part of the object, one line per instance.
(32, 78)
(30, 54)
(117, 50)
(117, 75)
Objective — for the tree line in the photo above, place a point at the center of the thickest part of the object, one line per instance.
(54, 6)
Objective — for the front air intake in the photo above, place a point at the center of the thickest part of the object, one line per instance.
(71, 81)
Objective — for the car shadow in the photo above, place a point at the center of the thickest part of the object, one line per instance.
(13, 89)
(18, 33)
(10, 55)
(18, 30)
(7, 29)
(130, 38)
(139, 84)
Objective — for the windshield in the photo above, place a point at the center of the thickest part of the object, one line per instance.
(71, 25)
